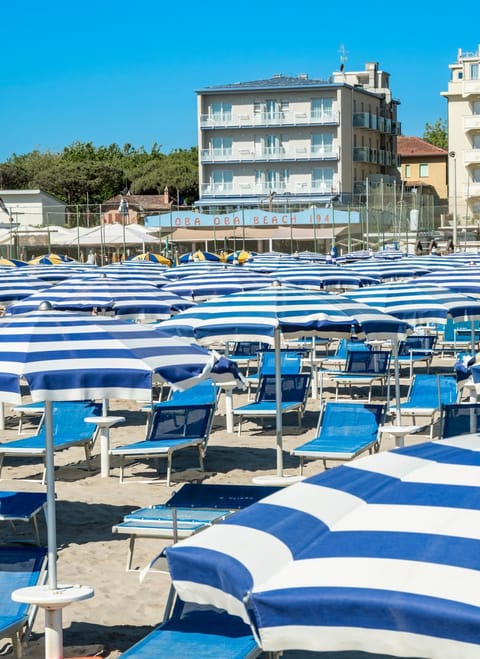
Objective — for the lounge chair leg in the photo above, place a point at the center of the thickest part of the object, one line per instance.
(121, 468)
(131, 546)
(169, 470)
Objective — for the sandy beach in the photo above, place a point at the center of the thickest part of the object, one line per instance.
(123, 610)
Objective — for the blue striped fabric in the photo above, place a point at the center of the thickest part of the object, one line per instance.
(254, 315)
(66, 356)
(381, 555)
(421, 303)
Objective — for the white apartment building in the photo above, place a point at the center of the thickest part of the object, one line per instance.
(296, 141)
(463, 98)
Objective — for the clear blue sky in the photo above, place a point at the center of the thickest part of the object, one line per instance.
(116, 72)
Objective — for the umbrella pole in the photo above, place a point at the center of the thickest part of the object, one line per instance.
(50, 484)
(278, 404)
(396, 370)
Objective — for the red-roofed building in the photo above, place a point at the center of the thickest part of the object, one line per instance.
(423, 164)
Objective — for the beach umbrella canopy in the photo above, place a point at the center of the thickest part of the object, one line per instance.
(323, 277)
(152, 257)
(50, 259)
(386, 269)
(464, 280)
(267, 314)
(123, 297)
(64, 356)
(418, 302)
(16, 263)
(199, 255)
(380, 556)
(238, 256)
(19, 284)
(219, 282)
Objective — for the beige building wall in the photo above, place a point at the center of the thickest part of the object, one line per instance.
(463, 97)
(295, 137)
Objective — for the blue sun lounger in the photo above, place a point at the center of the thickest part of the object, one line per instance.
(192, 508)
(69, 429)
(21, 566)
(295, 388)
(22, 507)
(173, 428)
(345, 429)
(199, 632)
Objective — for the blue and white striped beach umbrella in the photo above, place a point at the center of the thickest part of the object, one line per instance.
(64, 356)
(207, 285)
(325, 277)
(381, 555)
(418, 302)
(126, 299)
(268, 314)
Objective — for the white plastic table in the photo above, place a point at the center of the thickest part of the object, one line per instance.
(53, 600)
(104, 423)
(400, 432)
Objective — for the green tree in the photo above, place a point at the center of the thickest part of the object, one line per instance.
(437, 133)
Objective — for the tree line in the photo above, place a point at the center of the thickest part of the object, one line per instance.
(86, 174)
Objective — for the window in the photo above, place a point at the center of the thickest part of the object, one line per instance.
(474, 71)
(476, 175)
(322, 143)
(423, 170)
(476, 142)
(407, 171)
(221, 111)
(277, 179)
(476, 107)
(221, 146)
(273, 145)
(322, 179)
(321, 108)
(222, 180)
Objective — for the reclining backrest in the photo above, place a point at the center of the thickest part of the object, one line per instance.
(181, 421)
(459, 419)
(344, 419)
(368, 361)
(294, 388)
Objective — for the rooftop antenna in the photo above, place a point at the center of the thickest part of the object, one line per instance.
(343, 57)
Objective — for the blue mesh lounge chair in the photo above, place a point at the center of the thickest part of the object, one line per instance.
(69, 429)
(290, 362)
(197, 631)
(246, 353)
(427, 393)
(459, 419)
(345, 429)
(192, 508)
(415, 349)
(204, 392)
(21, 566)
(295, 389)
(173, 428)
(364, 368)
(22, 507)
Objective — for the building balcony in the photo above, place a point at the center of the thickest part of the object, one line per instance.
(471, 122)
(269, 154)
(471, 157)
(471, 88)
(472, 190)
(266, 120)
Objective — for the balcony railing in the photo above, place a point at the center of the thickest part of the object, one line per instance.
(471, 157)
(471, 122)
(245, 120)
(269, 154)
(470, 87)
(472, 190)
(263, 190)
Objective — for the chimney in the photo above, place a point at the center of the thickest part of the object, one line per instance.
(166, 197)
